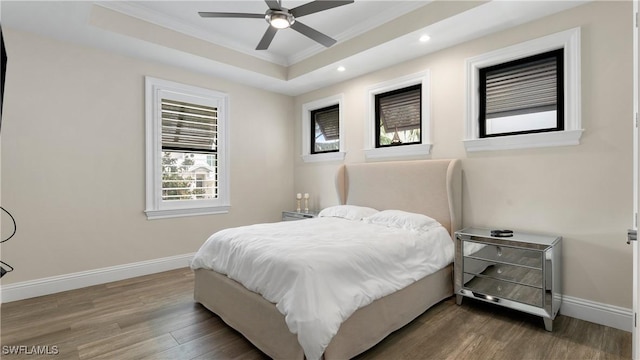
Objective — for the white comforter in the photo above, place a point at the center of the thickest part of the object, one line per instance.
(320, 271)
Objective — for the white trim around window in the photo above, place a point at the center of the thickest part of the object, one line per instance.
(568, 40)
(155, 91)
(307, 108)
(424, 148)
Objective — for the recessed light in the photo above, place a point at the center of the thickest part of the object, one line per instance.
(341, 68)
(425, 38)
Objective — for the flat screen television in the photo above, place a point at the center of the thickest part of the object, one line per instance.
(3, 62)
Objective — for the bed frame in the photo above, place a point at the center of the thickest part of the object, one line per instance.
(431, 187)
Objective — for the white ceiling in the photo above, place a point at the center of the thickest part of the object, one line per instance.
(288, 46)
(371, 34)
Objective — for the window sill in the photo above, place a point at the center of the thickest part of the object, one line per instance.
(398, 151)
(525, 141)
(172, 213)
(332, 156)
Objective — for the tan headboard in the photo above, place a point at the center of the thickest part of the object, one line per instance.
(430, 187)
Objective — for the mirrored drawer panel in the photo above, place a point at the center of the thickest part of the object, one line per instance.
(518, 274)
(506, 290)
(505, 254)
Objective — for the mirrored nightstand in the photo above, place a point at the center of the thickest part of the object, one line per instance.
(522, 272)
(299, 215)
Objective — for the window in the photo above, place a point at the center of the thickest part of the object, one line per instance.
(322, 130)
(186, 162)
(398, 116)
(325, 133)
(398, 119)
(526, 95)
(522, 96)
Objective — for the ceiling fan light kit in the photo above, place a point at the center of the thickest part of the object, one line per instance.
(281, 18)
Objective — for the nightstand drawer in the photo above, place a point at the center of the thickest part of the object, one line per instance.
(506, 290)
(513, 273)
(506, 255)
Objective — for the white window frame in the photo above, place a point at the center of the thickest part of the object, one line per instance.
(568, 40)
(424, 148)
(307, 108)
(156, 208)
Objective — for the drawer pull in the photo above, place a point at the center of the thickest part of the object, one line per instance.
(499, 250)
(486, 297)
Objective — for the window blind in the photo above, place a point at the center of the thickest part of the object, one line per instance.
(189, 145)
(329, 123)
(189, 127)
(522, 88)
(400, 110)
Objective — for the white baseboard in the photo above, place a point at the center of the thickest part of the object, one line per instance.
(603, 314)
(55, 284)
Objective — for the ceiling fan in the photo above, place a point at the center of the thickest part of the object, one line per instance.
(279, 17)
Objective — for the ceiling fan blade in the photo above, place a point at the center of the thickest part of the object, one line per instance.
(206, 14)
(315, 6)
(267, 38)
(273, 4)
(313, 34)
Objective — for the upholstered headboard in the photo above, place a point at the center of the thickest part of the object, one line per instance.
(430, 187)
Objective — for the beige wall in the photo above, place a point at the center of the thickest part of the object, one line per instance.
(580, 192)
(73, 160)
(72, 156)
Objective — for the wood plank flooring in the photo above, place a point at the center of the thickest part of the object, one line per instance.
(155, 317)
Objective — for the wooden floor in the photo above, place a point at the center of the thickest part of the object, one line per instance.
(154, 317)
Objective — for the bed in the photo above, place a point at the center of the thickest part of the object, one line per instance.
(430, 187)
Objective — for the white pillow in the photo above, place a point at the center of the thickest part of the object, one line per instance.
(350, 212)
(402, 219)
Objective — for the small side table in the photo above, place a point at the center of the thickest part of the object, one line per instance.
(298, 215)
(522, 272)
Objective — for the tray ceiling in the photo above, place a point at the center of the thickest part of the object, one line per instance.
(371, 34)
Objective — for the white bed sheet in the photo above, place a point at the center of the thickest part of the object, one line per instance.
(320, 271)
